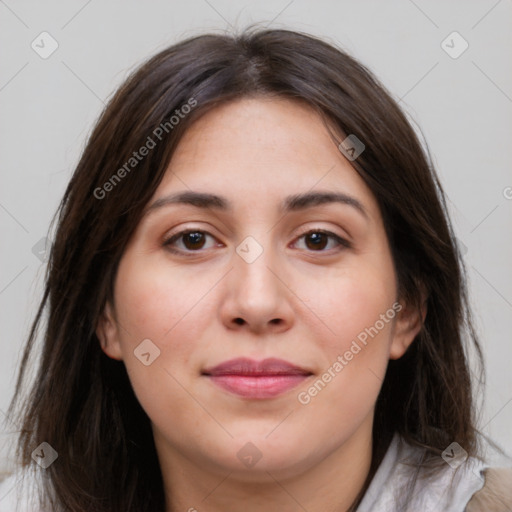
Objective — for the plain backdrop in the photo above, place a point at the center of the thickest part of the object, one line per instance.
(461, 100)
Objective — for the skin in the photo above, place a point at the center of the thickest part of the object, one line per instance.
(297, 301)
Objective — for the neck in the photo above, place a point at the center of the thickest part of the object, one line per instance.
(329, 485)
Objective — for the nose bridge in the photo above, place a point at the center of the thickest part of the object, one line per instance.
(254, 259)
(256, 295)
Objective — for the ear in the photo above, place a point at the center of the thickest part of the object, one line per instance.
(408, 324)
(107, 331)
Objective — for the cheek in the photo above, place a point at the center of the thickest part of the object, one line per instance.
(156, 300)
(352, 301)
(356, 309)
(149, 307)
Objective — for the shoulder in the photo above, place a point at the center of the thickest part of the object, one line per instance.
(496, 493)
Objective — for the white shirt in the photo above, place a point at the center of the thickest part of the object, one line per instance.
(449, 491)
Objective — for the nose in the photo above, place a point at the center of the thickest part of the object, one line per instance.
(257, 297)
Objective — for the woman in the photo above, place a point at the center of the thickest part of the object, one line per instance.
(253, 296)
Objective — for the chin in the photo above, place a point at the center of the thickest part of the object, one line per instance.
(252, 457)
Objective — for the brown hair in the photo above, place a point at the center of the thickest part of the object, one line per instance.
(81, 402)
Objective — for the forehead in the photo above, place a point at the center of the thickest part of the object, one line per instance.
(256, 149)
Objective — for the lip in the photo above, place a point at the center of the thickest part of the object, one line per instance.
(256, 379)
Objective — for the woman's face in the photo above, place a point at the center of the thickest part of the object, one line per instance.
(271, 269)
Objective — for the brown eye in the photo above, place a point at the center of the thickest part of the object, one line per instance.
(316, 240)
(193, 240)
(187, 241)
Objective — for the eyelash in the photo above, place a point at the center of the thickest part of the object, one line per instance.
(342, 243)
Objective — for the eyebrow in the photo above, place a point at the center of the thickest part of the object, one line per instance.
(291, 203)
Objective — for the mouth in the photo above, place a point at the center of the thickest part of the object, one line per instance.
(256, 379)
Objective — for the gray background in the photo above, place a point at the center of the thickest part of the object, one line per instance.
(463, 106)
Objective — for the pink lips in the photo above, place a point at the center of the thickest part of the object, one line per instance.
(257, 379)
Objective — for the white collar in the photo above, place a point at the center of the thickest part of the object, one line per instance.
(449, 490)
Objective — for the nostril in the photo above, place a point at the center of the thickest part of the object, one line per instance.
(239, 321)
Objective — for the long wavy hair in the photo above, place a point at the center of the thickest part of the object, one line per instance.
(81, 402)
